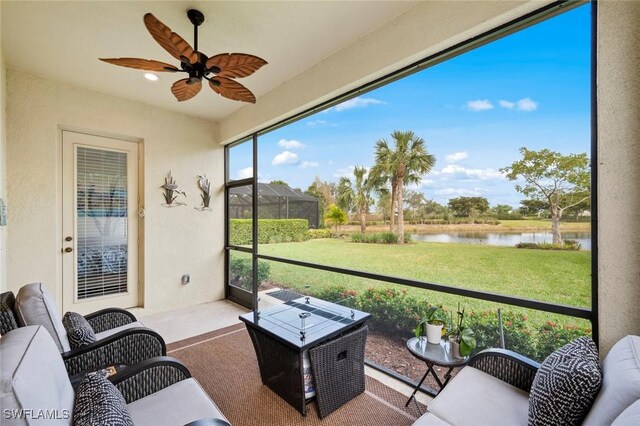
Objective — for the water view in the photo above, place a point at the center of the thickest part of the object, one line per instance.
(502, 238)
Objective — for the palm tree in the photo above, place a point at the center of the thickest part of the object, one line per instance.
(405, 164)
(356, 195)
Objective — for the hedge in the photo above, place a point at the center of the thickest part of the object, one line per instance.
(241, 272)
(269, 230)
(394, 313)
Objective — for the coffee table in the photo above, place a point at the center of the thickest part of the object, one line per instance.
(434, 355)
(282, 334)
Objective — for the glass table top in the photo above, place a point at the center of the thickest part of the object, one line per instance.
(437, 354)
(305, 321)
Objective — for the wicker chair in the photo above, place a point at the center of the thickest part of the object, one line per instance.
(120, 339)
(157, 391)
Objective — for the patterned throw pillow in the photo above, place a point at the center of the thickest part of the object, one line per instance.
(566, 385)
(98, 403)
(79, 331)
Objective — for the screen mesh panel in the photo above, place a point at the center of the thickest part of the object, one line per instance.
(101, 225)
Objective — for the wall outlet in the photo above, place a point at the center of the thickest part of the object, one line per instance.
(186, 279)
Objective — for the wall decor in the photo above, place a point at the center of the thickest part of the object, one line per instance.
(171, 192)
(205, 187)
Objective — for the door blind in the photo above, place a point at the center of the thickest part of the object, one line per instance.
(102, 223)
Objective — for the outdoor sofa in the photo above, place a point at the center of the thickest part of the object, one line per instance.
(494, 389)
(36, 389)
(120, 339)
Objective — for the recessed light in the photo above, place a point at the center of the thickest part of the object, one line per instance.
(151, 77)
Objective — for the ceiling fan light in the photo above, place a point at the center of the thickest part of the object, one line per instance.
(150, 76)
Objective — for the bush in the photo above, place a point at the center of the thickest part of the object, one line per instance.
(269, 230)
(396, 314)
(379, 238)
(571, 245)
(318, 233)
(240, 272)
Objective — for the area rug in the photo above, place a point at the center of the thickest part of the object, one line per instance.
(225, 364)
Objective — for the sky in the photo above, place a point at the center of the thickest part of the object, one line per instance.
(530, 89)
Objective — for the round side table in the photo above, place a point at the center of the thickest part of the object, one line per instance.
(434, 355)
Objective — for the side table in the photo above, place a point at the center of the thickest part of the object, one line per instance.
(434, 355)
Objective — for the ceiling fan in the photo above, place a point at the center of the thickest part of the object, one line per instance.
(218, 70)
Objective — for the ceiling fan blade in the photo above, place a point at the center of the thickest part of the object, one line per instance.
(170, 41)
(141, 64)
(231, 89)
(235, 65)
(184, 91)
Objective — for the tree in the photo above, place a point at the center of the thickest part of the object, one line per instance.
(406, 163)
(324, 192)
(383, 205)
(278, 182)
(355, 195)
(335, 216)
(416, 205)
(466, 206)
(563, 181)
(533, 207)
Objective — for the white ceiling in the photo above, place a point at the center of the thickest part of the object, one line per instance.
(62, 41)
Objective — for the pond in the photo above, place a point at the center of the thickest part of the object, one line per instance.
(502, 238)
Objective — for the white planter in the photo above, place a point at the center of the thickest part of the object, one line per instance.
(434, 333)
(455, 349)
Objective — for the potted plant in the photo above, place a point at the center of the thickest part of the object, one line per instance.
(462, 339)
(434, 320)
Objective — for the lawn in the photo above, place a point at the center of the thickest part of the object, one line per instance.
(562, 277)
(521, 225)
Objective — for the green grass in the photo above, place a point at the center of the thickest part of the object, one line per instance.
(544, 224)
(561, 277)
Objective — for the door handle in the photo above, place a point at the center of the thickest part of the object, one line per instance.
(68, 250)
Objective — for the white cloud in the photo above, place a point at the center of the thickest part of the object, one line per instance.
(344, 172)
(459, 191)
(309, 165)
(482, 174)
(245, 173)
(527, 104)
(290, 144)
(423, 183)
(506, 104)
(320, 123)
(524, 104)
(357, 103)
(456, 156)
(285, 157)
(479, 105)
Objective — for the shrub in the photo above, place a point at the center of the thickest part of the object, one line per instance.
(571, 245)
(396, 314)
(378, 238)
(318, 233)
(269, 230)
(240, 272)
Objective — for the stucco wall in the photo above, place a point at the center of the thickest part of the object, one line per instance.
(619, 174)
(3, 175)
(176, 240)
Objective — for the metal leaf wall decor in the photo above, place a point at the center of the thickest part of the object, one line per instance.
(171, 192)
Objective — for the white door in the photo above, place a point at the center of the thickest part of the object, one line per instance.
(99, 222)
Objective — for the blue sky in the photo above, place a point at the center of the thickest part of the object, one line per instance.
(475, 111)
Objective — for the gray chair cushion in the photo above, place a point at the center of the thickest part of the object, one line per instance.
(630, 416)
(476, 398)
(33, 377)
(35, 305)
(620, 384)
(429, 419)
(102, 335)
(566, 385)
(100, 403)
(79, 332)
(177, 404)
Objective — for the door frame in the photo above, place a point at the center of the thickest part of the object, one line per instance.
(59, 204)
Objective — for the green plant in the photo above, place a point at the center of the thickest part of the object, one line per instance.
(335, 216)
(434, 315)
(241, 272)
(269, 230)
(312, 234)
(465, 336)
